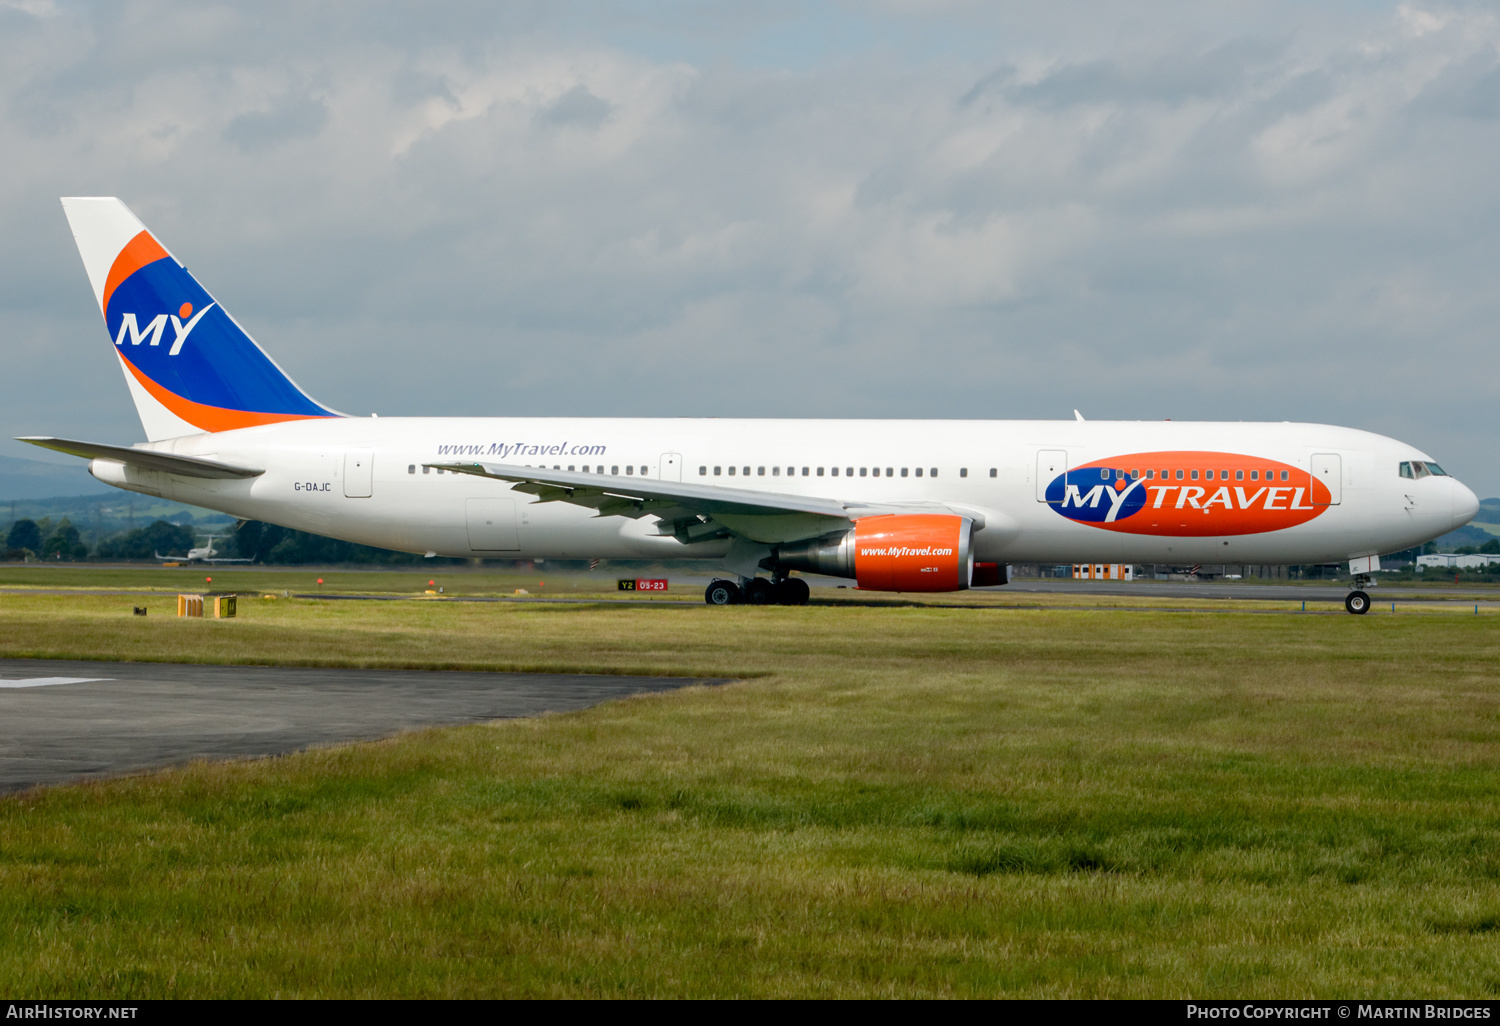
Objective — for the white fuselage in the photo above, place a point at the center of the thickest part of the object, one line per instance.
(363, 480)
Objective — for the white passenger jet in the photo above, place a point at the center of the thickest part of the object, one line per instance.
(935, 505)
(201, 554)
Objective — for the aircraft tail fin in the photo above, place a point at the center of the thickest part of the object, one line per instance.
(189, 366)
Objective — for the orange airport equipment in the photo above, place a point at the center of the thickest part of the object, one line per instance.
(221, 607)
(1104, 571)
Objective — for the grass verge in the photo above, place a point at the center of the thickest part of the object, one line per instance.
(917, 801)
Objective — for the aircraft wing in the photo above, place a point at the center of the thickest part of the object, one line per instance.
(695, 512)
(148, 459)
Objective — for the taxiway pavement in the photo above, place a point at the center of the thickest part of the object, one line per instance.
(65, 720)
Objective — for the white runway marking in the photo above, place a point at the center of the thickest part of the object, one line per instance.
(42, 682)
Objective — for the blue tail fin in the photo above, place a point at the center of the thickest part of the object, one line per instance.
(190, 367)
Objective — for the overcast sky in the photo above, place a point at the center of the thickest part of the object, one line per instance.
(1235, 211)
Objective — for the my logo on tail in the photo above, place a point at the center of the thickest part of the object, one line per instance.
(153, 329)
(207, 374)
(222, 380)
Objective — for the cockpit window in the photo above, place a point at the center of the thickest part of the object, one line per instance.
(1418, 469)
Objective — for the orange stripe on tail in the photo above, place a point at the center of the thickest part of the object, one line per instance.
(138, 252)
(205, 418)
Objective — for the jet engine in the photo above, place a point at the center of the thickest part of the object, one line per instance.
(896, 552)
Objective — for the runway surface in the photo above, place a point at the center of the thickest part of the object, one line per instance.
(63, 720)
(1331, 592)
(1083, 591)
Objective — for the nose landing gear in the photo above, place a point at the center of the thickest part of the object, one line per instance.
(1358, 600)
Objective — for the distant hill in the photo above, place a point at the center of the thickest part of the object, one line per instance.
(100, 515)
(1471, 534)
(1489, 511)
(51, 491)
(33, 479)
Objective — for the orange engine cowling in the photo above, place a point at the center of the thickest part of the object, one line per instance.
(896, 552)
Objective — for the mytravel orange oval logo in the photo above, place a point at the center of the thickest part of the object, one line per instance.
(1192, 494)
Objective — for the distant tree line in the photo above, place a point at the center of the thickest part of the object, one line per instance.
(60, 541)
(263, 543)
(268, 543)
(144, 542)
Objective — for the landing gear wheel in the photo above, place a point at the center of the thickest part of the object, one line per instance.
(722, 593)
(1357, 602)
(792, 591)
(759, 592)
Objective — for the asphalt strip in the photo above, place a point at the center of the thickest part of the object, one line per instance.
(68, 720)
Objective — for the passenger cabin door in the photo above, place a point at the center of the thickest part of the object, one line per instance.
(1049, 464)
(359, 465)
(1328, 468)
(671, 466)
(492, 525)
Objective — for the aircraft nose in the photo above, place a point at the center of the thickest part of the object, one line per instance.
(1465, 504)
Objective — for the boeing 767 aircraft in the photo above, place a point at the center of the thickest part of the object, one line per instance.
(935, 505)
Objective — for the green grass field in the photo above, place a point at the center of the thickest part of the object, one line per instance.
(336, 580)
(891, 802)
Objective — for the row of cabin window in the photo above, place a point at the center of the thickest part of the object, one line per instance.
(411, 468)
(834, 471)
(790, 471)
(1105, 474)
(1191, 475)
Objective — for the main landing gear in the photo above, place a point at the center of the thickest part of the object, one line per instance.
(758, 591)
(1358, 600)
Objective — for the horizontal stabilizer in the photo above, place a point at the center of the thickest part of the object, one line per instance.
(148, 459)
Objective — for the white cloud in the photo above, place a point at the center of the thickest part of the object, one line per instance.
(35, 8)
(1172, 211)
